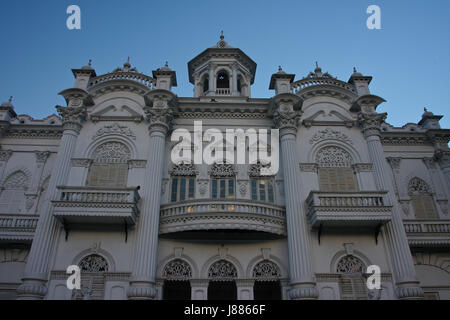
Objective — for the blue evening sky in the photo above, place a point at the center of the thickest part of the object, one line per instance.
(408, 58)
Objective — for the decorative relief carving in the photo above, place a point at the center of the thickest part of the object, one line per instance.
(430, 163)
(363, 167)
(137, 164)
(114, 128)
(202, 186)
(222, 170)
(112, 152)
(309, 167)
(255, 169)
(417, 186)
(29, 201)
(394, 162)
(330, 134)
(71, 114)
(405, 206)
(177, 270)
(159, 118)
(242, 185)
(443, 204)
(41, 156)
(333, 157)
(183, 169)
(18, 180)
(266, 270)
(5, 155)
(222, 270)
(289, 119)
(371, 122)
(81, 163)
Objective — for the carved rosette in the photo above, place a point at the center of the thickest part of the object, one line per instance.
(202, 186)
(371, 122)
(287, 121)
(72, 117)
(160, 119)
(242, 185)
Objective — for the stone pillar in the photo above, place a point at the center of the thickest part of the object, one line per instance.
(199, 289)
(4, 157)
(34, 282)
(245, 289)
(444, 161)
(142, 284)
(303, 285)
(402, 262)
(234, 78)
(212, 79)
(33, 193)
(438, 186)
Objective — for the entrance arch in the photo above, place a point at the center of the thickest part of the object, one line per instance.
(222, 285)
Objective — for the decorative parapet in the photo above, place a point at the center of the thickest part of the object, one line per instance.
(330, 134)
(17, 227)
(114, 128)
(428, 233)
(210, 215)
(363, 208)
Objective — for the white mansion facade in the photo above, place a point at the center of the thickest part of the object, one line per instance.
(95, 187)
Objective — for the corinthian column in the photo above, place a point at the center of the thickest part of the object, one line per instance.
(301, 274)
(402, 262)
(34, 282)
(142, 284)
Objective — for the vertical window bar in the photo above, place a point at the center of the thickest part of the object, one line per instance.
(191, 189)
(254, 194)
(270, 190)
(214, 188)
(230, 188)
(222, 189)
(183, 189)
(174, 189)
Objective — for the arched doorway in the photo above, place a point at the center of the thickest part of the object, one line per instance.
(222, 284)
(267, 281)
(176, 284)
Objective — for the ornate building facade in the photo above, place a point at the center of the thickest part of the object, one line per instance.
(95, 187)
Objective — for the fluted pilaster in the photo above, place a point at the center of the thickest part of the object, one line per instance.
(142, 285)
(302, 283)
(35, 278)
(402, 262)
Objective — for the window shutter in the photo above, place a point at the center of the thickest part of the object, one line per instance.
(337, 179)
(122, 175)
(424, 207)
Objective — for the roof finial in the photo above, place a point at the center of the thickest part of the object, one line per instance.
(167, 64)
(317, 65)
(90, 62)
(354, 70)
(10, 99)
(128, 61)
(221, 35)
(280, 69)
(425, 109)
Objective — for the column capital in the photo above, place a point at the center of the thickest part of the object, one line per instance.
(160, 119)
(443, 157)
(287, 122)
(394, 162)
(72, 117)
(5, 155)
(41, 156)
(371, 123)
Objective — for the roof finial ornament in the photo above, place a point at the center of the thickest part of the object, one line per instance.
(317, 65)
(425, 109)
(221, 35)
(354, 70)
(167, 64)
(280, 69)
(90, 62)
(10, 99)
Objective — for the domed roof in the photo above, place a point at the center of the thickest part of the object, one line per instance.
(8, 103)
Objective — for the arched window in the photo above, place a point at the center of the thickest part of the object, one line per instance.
(335, 170)
(222, 285)
(267, 281)
(223, 80)
(422, 199)
(239, 84)
(13, 194)
(176, 276)
(352, 282)
(92, 268)
(110, 165)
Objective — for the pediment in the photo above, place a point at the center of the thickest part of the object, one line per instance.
(329, 118)
(114, 113)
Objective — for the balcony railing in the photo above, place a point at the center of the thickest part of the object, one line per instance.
(131, 76)
(96, 205)
(17, 227)
(363, 208)
(223, 92)
(428, 233)
(222, 215)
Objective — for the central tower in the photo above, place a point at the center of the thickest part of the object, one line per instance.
(222, 71)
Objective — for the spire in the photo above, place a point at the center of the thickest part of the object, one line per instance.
(127, 64)
(221, 35)
(9, 103)
(222, 43)
(318, 70)
(89, 66)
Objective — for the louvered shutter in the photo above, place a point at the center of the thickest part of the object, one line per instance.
(108, 175)
(424, 207)
(92, 283)
(11, 200)
(337, 179)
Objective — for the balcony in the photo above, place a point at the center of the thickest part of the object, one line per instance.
(90, 205)
(17, 228)
(354, 209)
(219, 217)
(223, 92)
(428, 233)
